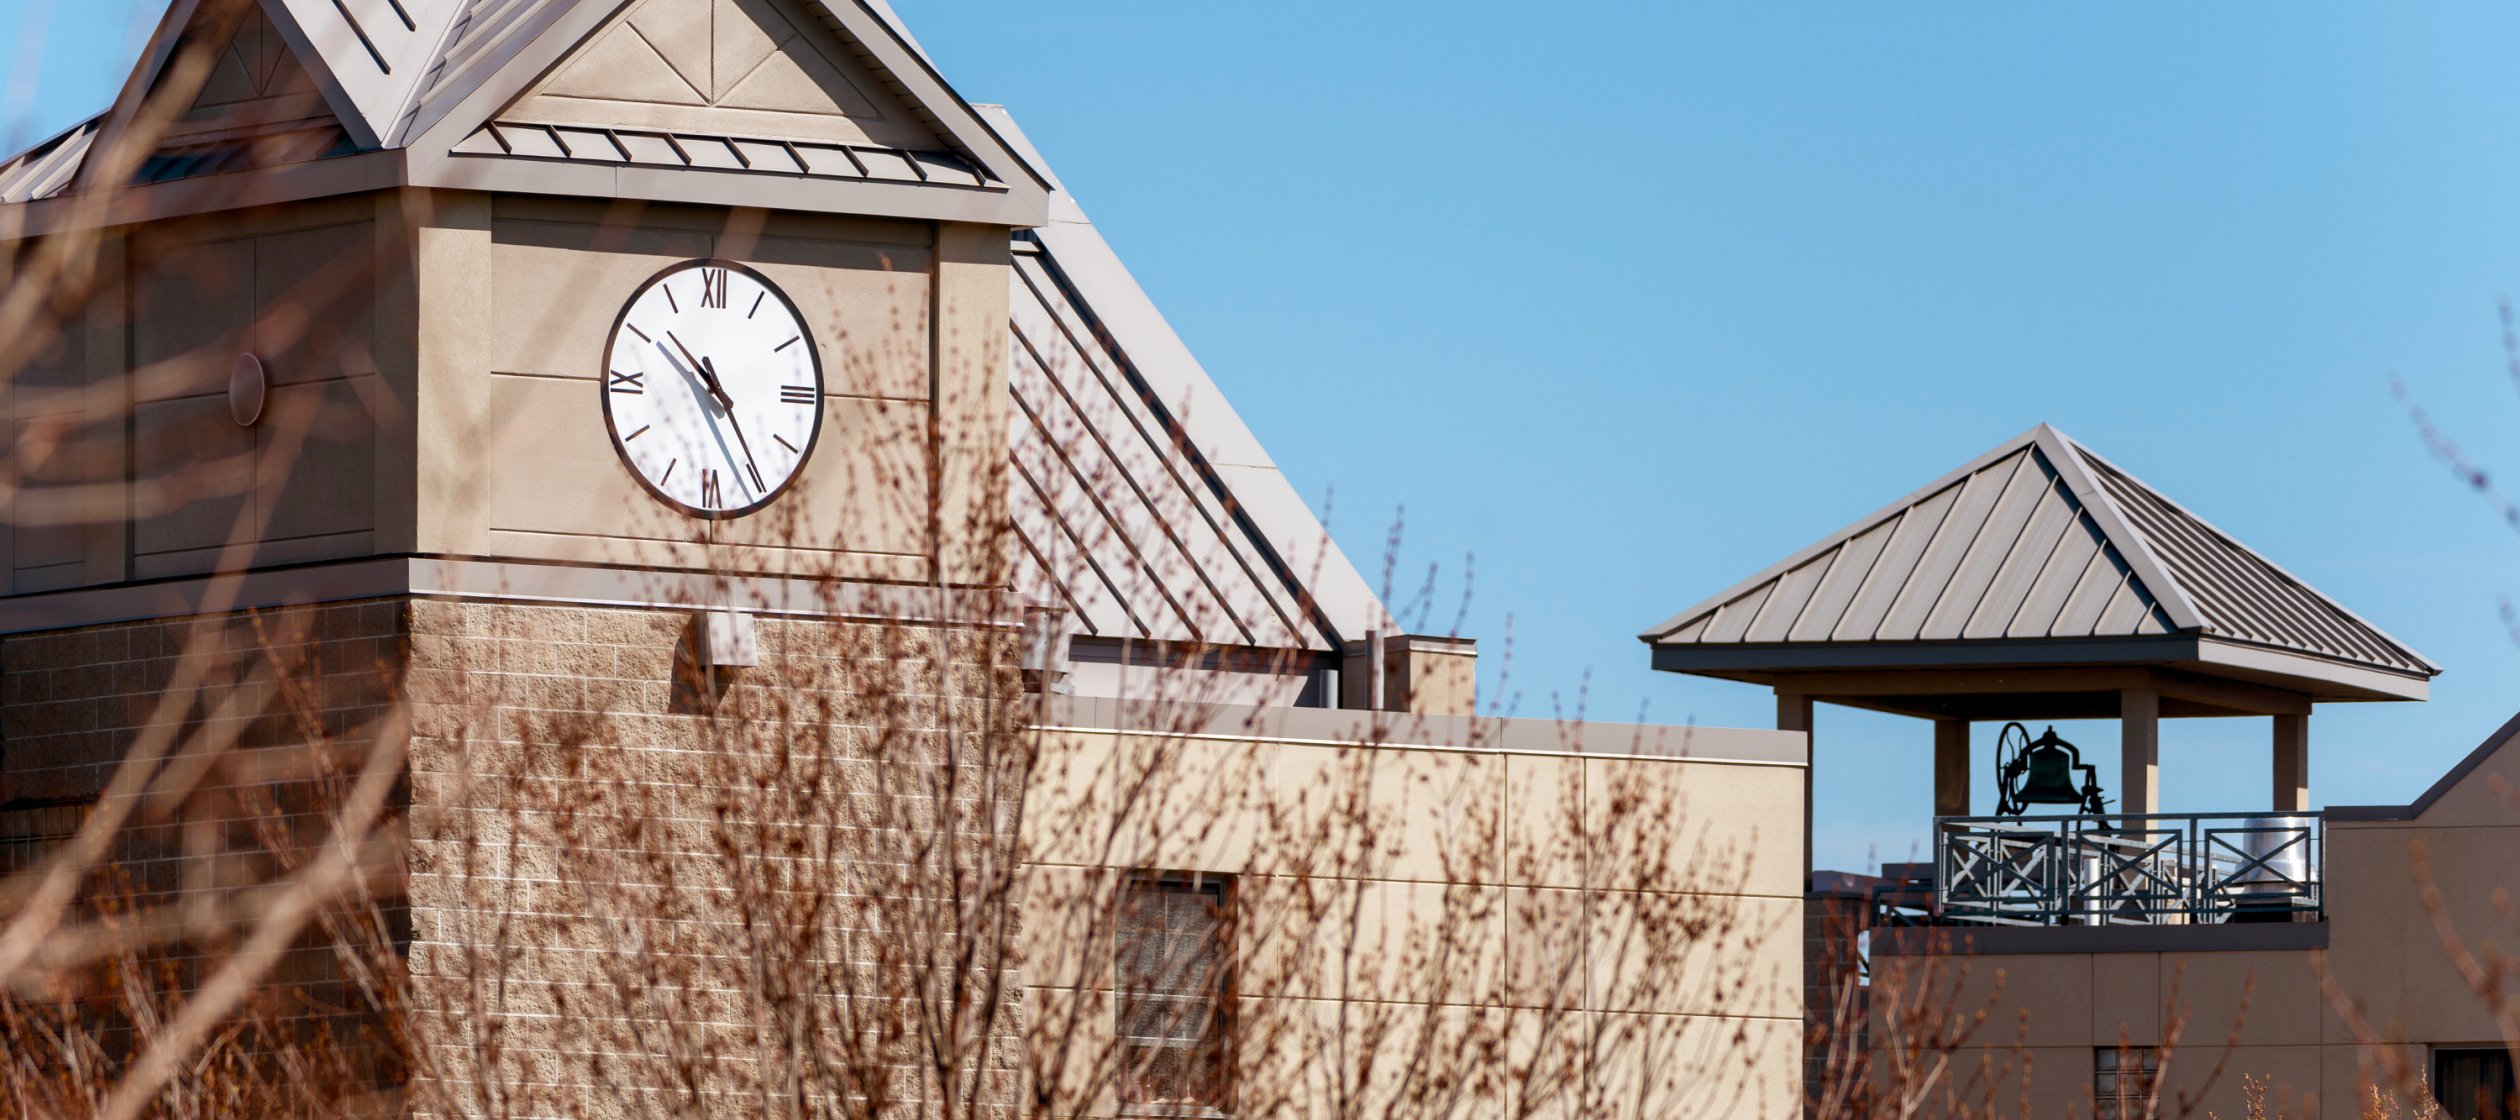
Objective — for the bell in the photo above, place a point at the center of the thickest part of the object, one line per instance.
(2049, 779)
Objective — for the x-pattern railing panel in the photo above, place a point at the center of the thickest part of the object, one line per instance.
(2155, 868)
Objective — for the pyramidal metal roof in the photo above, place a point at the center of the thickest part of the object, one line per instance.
(2038, 541)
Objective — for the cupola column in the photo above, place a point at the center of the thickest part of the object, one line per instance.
(1793, 713)
(2292, 762)
(2139, 767)
(1951, 768)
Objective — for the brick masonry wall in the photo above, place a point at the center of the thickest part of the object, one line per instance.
(637, 886)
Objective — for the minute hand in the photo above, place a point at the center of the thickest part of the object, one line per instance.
(710, 373)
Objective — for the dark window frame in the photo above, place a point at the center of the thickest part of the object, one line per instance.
(1129, 997)
(2120, 1091)
(2490, 1058)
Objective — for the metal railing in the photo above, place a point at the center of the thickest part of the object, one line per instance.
(2156, 869)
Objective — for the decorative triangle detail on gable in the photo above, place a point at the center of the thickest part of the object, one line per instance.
(756, 68)
(255, 85)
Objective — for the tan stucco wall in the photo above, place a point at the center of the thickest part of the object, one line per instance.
(1464, 836)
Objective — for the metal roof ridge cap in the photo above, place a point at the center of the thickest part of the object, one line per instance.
(1841, 536)
(483, 75)
(2067, 454)
(319, 66)
(405, 118)
(2260, 557)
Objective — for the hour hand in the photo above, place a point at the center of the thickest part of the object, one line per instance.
(707, 376)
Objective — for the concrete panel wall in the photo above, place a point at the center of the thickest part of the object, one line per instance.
(518, 299)
(432, 362)
(1508, 894)
(2405, 899)
(123, 423)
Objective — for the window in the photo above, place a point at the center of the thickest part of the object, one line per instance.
(30, 831)
(2122, 1081)
(1173, 951)
(2473, 1084)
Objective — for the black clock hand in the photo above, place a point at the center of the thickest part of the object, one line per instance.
(703, 382)
(706, 374)
(708, 371)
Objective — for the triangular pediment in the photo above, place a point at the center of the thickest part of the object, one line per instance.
(747, 68)
(825, 95)
(255, 83)
(256, 99)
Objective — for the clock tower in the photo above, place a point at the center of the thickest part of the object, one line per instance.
(524, 389)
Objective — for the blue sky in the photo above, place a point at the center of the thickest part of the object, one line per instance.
(1626, 301)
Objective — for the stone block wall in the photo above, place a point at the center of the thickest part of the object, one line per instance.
(73, 702)
(258, 720)
(627, 883)
(638, 885)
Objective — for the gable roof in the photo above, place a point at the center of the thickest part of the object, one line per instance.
(1142, 503)
(2038, 539)
(432, 78)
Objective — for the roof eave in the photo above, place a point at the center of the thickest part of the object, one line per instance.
(889, 41)
(356, 173)
(714, 186)
(2321, 678)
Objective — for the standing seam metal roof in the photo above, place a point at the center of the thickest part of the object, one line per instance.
(1140, 501)
(2038, 538)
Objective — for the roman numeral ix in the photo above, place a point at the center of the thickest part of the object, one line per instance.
(627, 382)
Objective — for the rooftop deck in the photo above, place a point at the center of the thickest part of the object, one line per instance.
(2156, 869)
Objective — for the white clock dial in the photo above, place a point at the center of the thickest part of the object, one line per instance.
(712, 388)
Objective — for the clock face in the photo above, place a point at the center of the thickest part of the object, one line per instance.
(712, 388)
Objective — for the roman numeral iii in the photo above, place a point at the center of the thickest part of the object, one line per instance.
(797, 394)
